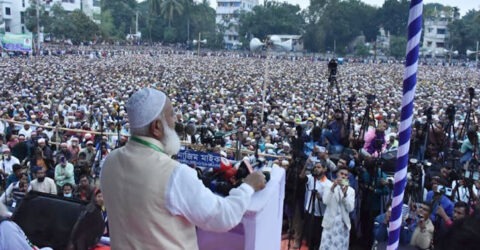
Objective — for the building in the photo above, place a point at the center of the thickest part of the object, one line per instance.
(13, 11)
(227, 17)
(12, 15)
(436, 36)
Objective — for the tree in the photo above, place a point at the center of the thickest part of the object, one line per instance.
(465, 32)
(334, 23)
(398, 46)
(361, 50)
(31, 17)
(60, 25)
(271, 18)
(168, 8)
(123, 14)
(84, 28)
(107, 27)
(393, 16)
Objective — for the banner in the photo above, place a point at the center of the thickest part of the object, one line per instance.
(16, 42)
(199, 159)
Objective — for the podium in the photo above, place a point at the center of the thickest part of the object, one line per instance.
(261, 226)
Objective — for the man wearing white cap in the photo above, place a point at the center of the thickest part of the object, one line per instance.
(160, 205)
(7, 162)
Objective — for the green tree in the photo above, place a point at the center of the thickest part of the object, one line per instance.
(465, 32)
(168, 8)
(123, 15)
(334, 22)
(393, 16)
(60, 25)
(361, 50)
(84, 28)
(271, 18)
(107, 27)
(31, 17)
(398, 46)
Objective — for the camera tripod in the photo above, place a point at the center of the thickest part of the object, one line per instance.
(468, 116)
(312, 222)
(366, 119)
(293, 171)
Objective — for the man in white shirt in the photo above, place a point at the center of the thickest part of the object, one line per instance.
(339, 201)
(8, 160)
(317, 184)
(155, 202)
(43, 183)
(26, 130)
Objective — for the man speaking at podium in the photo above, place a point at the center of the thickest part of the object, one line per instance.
(155, 202)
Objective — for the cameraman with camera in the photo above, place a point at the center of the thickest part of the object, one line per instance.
(317, 184)
(470, 148)
(335, 133)
(340, 201)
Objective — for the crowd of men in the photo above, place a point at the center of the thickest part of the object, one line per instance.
(62, 113)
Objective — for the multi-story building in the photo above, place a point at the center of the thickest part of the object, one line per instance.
(227, 17)
(13, 11)
(13, 15)
(436, 38)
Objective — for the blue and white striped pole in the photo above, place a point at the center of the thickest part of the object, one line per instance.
(409, 83)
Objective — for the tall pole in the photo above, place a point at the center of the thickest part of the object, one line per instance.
(37, 3)
(199, 41)
(476, 56)
(136, 23)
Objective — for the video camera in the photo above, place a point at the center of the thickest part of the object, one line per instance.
(371, 98)
(451, 112)
(332, 71)
(428, 113)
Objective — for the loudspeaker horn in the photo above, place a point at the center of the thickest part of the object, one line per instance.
(469, 52)
(255, 43)
(285, 45)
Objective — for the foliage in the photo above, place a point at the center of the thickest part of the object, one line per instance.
(398, 46)
(465, 32)
(168, 9)
(122, 14)
(31, 17)
(361, 50)
(393, 16)
(338, 22)
(84, 29)
(271, 18)
(62, 25)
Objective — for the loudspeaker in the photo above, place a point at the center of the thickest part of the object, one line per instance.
(59, 223)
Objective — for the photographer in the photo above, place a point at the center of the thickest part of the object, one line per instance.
(437, 198)
(470, 148)
(423, 235)
(339, 201)
(374, 186)
(335, 133)
(375, 142)
(461, 191)
(317, 184)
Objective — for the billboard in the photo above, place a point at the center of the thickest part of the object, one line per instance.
(16, 42)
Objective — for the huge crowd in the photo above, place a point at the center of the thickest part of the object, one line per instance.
(63, 112)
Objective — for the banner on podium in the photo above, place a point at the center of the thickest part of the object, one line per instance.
(199, 159)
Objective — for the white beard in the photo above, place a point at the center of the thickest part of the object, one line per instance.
(171, 141)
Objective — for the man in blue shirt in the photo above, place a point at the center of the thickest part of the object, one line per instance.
(437, 198)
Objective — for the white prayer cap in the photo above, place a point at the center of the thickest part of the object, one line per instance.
(41, 140)
(145, 106)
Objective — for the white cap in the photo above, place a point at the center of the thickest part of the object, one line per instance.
(145, 106)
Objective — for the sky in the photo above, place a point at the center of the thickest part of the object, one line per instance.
(463, 5)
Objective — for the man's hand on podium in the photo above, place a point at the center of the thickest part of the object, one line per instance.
(256, 180)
